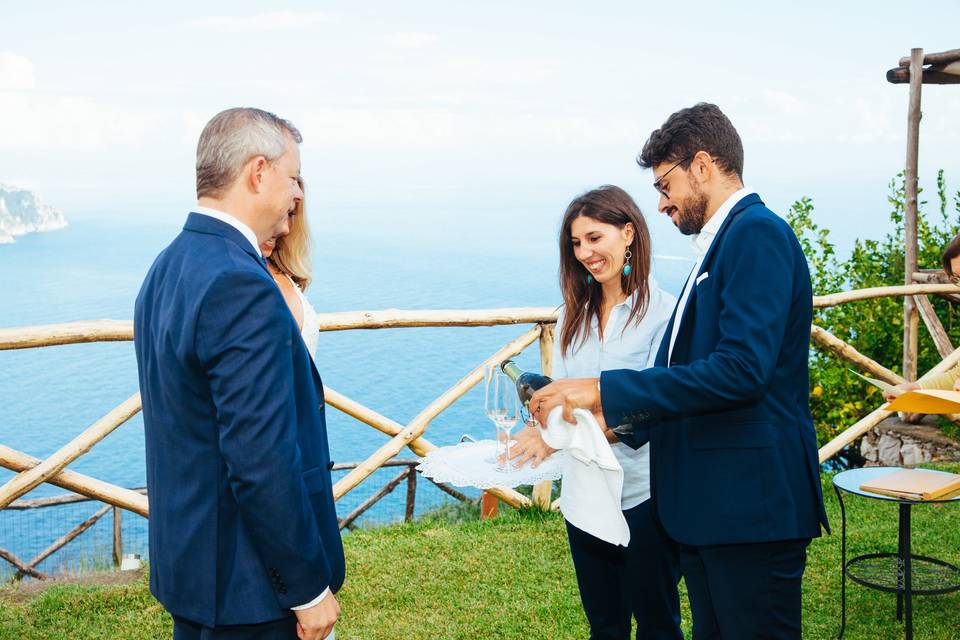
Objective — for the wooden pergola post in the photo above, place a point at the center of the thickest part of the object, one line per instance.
(911, 317)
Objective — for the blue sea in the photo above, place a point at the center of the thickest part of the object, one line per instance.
(93, 270)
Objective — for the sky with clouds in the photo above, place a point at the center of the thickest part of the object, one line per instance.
(496, 110)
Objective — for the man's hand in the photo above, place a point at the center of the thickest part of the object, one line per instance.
(317, 622)
(530, 446)
(583, 393)
(906, 386)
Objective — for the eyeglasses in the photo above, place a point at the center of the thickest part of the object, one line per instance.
(657, 184)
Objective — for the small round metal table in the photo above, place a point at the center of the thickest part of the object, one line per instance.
(902, 573)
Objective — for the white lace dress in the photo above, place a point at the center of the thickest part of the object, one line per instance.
(310, 330)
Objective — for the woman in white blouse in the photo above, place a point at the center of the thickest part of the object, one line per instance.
(288, 259)
(613, 317)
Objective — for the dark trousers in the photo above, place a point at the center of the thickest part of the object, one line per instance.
(639, 580)
(745, 591)
(285, 629)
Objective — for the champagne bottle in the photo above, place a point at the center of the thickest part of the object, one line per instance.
(526, 381)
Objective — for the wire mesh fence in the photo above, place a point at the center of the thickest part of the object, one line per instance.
(28, 533)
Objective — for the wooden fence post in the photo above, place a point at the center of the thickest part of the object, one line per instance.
(929, 315)
(489, 505)
(117, 536)
(411, 493)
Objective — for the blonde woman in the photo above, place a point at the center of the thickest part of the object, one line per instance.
(288, 259)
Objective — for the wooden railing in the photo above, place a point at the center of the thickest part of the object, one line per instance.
(930, 283)
(33, 472)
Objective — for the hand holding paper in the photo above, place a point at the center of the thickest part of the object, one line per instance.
(929, 401)
(889, 391)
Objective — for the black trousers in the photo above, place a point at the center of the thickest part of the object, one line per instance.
(745, 591)
(285, 629)
(640, 580)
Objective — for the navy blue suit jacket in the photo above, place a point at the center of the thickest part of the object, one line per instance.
(242, 518)
(732, 445)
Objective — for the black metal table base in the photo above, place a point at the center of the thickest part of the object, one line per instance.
(902, 573)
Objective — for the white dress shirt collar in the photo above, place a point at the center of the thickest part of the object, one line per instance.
(701, 244)
(703, 240)
(225, 217)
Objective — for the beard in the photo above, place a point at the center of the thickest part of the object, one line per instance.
(692, 212)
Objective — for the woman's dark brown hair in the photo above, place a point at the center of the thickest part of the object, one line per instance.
(951, 252)
(583, 300)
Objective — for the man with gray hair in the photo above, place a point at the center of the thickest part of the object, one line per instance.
(244, 541)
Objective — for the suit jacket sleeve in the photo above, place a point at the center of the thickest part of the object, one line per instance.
(755, 274)
(245, 345)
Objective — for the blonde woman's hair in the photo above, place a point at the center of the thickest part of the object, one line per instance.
(292, 252)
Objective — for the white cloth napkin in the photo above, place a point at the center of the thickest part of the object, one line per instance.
(592, 476)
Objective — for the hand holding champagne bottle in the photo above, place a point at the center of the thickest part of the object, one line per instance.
(530, 446)
(570, 393)
(527, 382)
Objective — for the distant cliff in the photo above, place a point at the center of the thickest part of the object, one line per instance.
(21, 212)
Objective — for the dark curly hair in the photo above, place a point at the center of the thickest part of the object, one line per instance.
(702, 127)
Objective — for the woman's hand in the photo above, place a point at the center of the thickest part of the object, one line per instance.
(529, 447)
(904, 386)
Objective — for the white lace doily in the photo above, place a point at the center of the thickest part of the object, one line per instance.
(466, 465)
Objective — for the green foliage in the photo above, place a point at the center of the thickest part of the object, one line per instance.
(873, 327)
(512, 578)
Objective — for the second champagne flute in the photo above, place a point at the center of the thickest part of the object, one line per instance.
(491, 409)
(507, 412)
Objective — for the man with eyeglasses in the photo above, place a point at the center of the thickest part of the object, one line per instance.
(734, 467)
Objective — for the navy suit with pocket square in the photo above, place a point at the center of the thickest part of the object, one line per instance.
(734, 466)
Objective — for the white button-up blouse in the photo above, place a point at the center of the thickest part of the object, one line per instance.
(622, 347)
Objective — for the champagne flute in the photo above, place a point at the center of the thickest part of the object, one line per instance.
(490, 407)
(507, 411)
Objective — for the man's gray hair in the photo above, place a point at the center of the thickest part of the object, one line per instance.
(231, 139)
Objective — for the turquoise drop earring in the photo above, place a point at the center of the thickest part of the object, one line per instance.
(626, 263)
(589, 279)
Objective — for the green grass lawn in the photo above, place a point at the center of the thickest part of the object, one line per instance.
(512, 578)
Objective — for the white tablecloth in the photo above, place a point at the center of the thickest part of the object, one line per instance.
(465, 465)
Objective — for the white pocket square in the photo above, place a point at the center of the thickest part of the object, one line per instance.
(703, 276)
